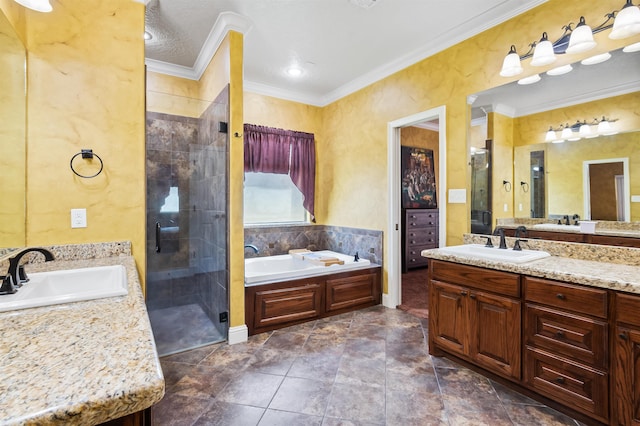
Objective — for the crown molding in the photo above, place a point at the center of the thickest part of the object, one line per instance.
(287, 95)
(232, 21)
(227, 21)
(594, 95)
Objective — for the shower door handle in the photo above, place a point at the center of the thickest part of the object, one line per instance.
(158, 229)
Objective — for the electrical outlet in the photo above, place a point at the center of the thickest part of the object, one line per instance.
(78, 218)
(506, 207)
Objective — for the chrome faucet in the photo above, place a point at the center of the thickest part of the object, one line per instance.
(16, 275)
(252, 247)
(503, 242)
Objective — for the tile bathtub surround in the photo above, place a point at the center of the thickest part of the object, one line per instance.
(369, 367)
(276, 240)
(79, 363)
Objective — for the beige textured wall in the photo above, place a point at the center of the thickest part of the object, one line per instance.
(13, 109)
(86, 90)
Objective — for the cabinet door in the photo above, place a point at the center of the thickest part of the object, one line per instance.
(627, 376)
(353, 291)
(448, 318)
(495, 333)
(286, 305)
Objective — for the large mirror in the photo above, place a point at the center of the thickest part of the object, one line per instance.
(566, 178)
(12, 136)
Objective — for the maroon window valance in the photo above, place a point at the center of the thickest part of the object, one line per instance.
(271, 150)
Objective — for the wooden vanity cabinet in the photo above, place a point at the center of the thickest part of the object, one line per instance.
(475, 313)
(566, 344)
(626, 347)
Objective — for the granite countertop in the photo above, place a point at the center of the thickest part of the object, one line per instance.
(79, 363)
(607, 275)
(611, 232)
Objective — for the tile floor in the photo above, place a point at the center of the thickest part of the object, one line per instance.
(370, 367)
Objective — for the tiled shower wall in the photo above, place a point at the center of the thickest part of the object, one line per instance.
(275, 240)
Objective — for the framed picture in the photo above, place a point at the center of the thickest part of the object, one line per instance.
(418, 178)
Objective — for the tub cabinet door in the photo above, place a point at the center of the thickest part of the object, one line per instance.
(350, 292)
(277, 307)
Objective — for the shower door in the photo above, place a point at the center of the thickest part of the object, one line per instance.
(481, 216)
(187, 262)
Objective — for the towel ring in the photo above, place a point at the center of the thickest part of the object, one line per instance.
(525, 186)
(87, 154)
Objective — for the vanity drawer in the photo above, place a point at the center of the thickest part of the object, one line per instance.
(582, 388)
(421, 219)
(577, 337)
(428, 236)
(628, 309)
(504, 283)
(575, 298)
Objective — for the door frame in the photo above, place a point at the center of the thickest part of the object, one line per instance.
(587, 191)
(392, 298)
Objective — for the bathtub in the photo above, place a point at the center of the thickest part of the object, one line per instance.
(272, 269)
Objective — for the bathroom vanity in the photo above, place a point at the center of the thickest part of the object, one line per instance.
(81, 363)
(564, 331)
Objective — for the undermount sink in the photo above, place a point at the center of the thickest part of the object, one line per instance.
(493, 253)
(65, 286)
(556, 227)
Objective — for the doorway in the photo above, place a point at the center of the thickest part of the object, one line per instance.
(607, 189)
(436, 115)
(187, 228)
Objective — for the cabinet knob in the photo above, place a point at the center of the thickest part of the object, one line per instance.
(464, 293)
(473, 296)
(413, 260)
(412, 216)
(623, 336)
(413, 241)
(560, 380)
(561, 296)
(413, 224)
(560, 334)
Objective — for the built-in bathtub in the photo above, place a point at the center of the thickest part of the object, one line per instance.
(284, 290)
(285, 267)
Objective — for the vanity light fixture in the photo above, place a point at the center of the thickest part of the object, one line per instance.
(543, 53)
(624, 23)
(581, 38)
(627, 22)
(581, 129)
(635, 47)
(529, 80)
(37, 5)
(564, 69)
(597, 59)
(147, 35)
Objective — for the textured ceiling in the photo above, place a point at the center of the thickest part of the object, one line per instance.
(340, 46)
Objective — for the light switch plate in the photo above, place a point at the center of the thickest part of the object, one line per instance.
(457, 196)
(635, 198)
(78, 218)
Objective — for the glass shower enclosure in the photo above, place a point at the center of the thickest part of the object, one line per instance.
(187, 261)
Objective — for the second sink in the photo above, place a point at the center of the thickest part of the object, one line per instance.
(492, 253)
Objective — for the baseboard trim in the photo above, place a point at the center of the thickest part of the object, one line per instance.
(387, 301)
(238, 334)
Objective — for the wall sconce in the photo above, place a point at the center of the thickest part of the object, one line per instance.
(507, 185)
(626, 23)
(581, 129)
(37, 5)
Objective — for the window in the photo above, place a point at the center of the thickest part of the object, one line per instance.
(272, 198)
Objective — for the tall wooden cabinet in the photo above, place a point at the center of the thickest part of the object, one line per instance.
(626, 396)
(419, 232)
